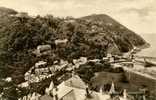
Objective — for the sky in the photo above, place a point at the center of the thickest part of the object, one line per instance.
(137, 15)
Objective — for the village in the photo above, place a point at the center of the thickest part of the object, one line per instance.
(110, 79)
(73, 87)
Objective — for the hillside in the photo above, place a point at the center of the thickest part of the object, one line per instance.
(121, 35)
(5, 11)
(91, 36)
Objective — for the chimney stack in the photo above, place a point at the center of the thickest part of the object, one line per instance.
(112, 89)
(125, 94)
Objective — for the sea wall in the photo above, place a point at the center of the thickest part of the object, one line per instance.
(141, 80)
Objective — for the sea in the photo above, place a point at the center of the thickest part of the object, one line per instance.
(149, 52)
(151, 39)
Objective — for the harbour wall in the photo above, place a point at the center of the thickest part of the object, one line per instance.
(141, 80)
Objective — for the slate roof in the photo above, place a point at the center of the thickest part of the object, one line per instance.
(76, 82)
(46, 97)
(75, 88)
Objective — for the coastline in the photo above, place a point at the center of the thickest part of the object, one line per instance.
(145, 46)
(150, 51)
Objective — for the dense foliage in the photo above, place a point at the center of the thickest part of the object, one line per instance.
(91, 36)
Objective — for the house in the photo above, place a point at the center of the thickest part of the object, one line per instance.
(8, 79)
(58, 65)
(33, 96)
(80, 61)
(61, 41)
(63, 64)
(110, 57)
(32, 78)
(116, 65)
(40, 64)
(48, 90)
(75, 89)
(94, 60)
(76, 82)
(83, 60)
(42, 50)
(24, 84)
(106, 59)
(72, 93)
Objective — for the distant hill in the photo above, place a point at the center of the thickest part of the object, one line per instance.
(124, 38)
(91, 36)
(100, 17)
(4, 10)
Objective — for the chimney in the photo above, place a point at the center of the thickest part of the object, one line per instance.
(47, 91)
(112, 89)
(55, 95)
(73, 73)
(87, 92)
(51, 85)
(101, 90)
(125, 94)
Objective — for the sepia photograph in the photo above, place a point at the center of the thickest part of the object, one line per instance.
(77, 50)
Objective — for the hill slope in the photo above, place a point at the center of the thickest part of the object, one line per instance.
(91, 36)
(122, 36)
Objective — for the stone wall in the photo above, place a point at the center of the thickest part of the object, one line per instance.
(141, 80)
